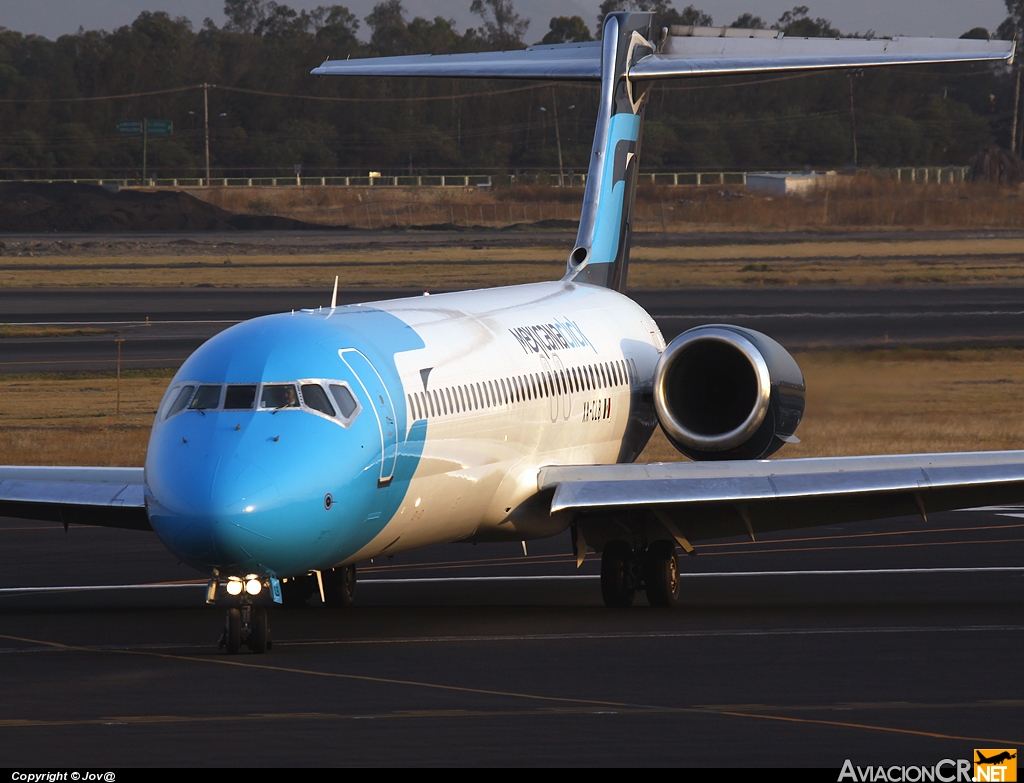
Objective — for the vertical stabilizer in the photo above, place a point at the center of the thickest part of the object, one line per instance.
(601, 254)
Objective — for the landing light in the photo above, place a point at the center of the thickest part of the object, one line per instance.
(234, 587)
(253, 587)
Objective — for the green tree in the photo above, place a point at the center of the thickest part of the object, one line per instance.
(749, 22)
(502, 27)
(388, 28)
(797, 23)
(567, 29)
(1013, 26)
(664, 14)
(977, 33)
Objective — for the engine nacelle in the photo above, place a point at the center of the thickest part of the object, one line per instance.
(724, 392)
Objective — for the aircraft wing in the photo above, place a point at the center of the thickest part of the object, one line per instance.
(700, 52)
(108, 497)
(705, 500)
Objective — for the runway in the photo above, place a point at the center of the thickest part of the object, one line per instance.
(886, 643)
(799, 317)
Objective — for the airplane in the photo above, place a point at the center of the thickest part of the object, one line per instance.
(290, 447)
(996, 759)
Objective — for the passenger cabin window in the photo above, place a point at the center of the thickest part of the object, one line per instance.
(315, 397)
(346, 402)
(240, 398)
(279, 396)
(206, 398)
(184, 395)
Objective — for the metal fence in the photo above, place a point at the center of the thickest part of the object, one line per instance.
(913, 174)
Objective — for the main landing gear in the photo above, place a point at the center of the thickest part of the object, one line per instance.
(625, 570)
(246, 625)
(338, 586)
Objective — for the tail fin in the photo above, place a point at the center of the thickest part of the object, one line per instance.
(626, 63)
(601, 254)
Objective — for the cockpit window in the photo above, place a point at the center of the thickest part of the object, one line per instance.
(279, 396)
(240, 398)
(207, 397)
(315, 397)
(346, 402)
(184, 395)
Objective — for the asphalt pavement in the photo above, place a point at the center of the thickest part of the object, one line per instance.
(162, 327)
(885, 643)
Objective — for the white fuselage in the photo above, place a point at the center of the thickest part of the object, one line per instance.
(511, 380)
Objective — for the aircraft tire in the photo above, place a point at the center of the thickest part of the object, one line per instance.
(340, 586)
(617, 588)
(259, 634)
(233, 631)
(661, 574)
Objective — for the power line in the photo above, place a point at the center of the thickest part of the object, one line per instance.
(291, 96)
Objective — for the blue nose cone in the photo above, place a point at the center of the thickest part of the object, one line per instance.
(242, 488)
(212, 503)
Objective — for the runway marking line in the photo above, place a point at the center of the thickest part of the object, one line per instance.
(862, 726)
(15, 591)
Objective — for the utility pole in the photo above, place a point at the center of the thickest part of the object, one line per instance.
(118, 408)
(145, 140)
(1016, 104)
(853, 120)
(206, 126)
(558, 139)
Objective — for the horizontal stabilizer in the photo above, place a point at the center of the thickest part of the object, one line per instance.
(699, 55)
(695, 54)
(570, 62)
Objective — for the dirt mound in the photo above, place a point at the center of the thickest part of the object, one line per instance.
(34, 207)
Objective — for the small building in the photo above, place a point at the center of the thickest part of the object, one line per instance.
(781, 184)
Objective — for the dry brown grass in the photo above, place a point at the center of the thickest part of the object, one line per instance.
(880, 402)
(29, 330)
(862, 201)
(899, 261)
(50, 419)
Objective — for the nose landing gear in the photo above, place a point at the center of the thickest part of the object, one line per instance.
(246, 625)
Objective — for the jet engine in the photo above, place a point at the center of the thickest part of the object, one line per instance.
(724, 392)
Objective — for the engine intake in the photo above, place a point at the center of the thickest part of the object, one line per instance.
(724, 392)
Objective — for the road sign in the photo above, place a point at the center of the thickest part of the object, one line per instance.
(129, 127)
(159, 127)
(153, 127)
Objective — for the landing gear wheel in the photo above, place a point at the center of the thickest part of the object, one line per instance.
(233, 631)
(617, 585)
(661, 574)
(340, 586)
(259, 632)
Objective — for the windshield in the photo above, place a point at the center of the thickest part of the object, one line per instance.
(279, 396)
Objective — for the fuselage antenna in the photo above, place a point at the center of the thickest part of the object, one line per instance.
(334, 296)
